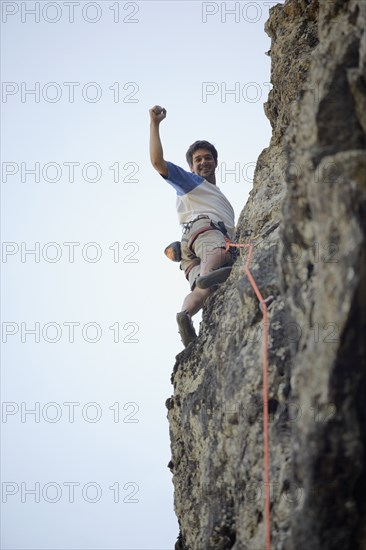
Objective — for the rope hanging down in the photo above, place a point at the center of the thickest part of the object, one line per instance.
(265, 387)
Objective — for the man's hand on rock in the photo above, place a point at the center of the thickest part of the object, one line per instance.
(157, 114)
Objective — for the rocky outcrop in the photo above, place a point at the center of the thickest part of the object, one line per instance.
(306, 216)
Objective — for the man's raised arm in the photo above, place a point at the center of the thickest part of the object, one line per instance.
(157, 114)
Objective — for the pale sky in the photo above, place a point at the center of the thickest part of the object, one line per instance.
(88, 319)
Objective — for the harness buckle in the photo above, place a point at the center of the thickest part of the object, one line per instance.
(187, 226)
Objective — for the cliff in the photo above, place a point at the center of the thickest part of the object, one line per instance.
(306, 217)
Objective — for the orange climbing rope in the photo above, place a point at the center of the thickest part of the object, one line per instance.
(265, 387)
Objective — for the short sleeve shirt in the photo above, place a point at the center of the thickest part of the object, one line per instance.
(197, 196)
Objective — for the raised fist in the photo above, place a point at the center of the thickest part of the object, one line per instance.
(157, 113)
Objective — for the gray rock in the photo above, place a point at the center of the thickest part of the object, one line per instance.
(306, 218)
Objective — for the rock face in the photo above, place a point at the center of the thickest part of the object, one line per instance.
(306, 217)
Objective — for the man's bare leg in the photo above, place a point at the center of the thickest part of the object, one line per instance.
(194, 301)
(214, 259)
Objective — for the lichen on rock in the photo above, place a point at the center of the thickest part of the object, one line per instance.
(307, 210)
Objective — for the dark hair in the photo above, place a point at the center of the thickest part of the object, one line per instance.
(201, 144)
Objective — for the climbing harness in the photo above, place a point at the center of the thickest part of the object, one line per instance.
(187, 226)
(264, 310)
(173, 250)
(219, 226)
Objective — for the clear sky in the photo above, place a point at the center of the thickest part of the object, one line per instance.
(88, 318)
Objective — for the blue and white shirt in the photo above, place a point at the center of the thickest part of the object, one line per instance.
(196, 196)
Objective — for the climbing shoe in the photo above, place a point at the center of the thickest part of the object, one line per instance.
(186, 328)
(219, 275)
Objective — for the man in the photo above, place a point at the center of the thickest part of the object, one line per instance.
(206, 216)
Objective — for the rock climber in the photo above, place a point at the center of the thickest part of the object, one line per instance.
(206, 217)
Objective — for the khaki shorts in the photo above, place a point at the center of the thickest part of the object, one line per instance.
(202, 247)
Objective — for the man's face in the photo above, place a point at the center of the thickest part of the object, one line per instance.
(204, 165)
